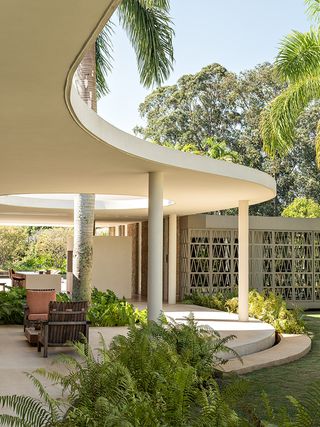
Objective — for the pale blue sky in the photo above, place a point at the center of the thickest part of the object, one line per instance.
(238, 34)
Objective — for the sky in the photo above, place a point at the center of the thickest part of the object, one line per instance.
(238, 34)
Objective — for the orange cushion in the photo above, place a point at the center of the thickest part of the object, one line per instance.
(38, 301)
(40, 316)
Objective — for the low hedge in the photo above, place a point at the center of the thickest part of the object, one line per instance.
(268, 307)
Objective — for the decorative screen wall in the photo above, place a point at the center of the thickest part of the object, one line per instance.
(209, 260)
(286, 262)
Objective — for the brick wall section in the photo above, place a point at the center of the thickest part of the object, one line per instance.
(133, 230)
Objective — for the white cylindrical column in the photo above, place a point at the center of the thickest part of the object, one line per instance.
(139, 256)
(172, 275)
(155, 245)
(243, 241)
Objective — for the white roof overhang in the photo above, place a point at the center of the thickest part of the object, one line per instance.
(51, 142)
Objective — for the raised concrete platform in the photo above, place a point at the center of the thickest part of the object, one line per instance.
(251, 337)
(289, 349)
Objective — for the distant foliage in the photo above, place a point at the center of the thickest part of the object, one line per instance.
(302, 207)
(216, 103)
(269, 308)
(12, 305)
(14, 243)
(46, 249)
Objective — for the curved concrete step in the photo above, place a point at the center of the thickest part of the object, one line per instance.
(289, 349)
(250, 337)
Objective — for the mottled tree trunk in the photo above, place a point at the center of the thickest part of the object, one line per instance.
(86, 79)
(82, 246)
(84, 203)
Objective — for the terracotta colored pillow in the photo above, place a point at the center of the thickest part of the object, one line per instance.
(38, 301)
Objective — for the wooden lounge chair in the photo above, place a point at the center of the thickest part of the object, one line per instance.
(66, 323)
(17, 279)
(37, 308)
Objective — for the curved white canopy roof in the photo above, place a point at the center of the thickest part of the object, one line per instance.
(51, 142)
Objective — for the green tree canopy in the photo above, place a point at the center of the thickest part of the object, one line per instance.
(224, 107)
(51, 246)
(302, 207)
(13, 245)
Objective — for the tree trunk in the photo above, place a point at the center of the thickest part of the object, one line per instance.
(82, 247)
(86, 79)
(84, 203)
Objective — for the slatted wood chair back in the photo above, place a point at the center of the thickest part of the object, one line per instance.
(67, 321)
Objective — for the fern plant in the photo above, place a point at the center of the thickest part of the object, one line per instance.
(152, 377)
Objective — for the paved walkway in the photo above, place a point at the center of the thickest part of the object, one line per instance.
(17, 356)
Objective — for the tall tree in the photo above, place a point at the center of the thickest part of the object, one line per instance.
(298, 65)
(148, 25)
(224, 106)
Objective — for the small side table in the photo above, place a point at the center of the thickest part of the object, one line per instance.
(32, 335)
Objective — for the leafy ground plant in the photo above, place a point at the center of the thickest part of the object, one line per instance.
(12, 305)
(108, 310)
(153, 377)
(268, 307)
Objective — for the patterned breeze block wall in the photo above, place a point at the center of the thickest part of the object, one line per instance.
(286, 262)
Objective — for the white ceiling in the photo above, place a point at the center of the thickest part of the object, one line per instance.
(52, 143)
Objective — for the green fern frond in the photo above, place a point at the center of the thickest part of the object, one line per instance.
(31, 411)
(12, 421)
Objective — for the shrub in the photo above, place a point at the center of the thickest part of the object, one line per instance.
(216, 301)
(268, 307)
(108, 310)
(12, 305)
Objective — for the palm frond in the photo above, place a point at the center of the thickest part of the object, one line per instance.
(279, 118)
(299, 56)
(103, 47)
(313, 9)
(149, 28)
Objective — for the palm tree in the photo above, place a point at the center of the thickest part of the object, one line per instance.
(298, 65)
(148, 25)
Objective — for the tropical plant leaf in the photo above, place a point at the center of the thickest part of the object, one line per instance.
(299, 56)
(149, 28)
(278, 120)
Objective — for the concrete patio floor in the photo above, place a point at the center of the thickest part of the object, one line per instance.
(18, 357)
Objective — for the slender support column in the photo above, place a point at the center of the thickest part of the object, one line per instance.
(139, 256)
(172, 259)
(243, 240)
(155, 245)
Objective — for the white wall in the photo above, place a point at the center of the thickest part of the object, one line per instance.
(112, 265)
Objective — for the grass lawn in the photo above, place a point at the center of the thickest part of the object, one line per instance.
(291, 379)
